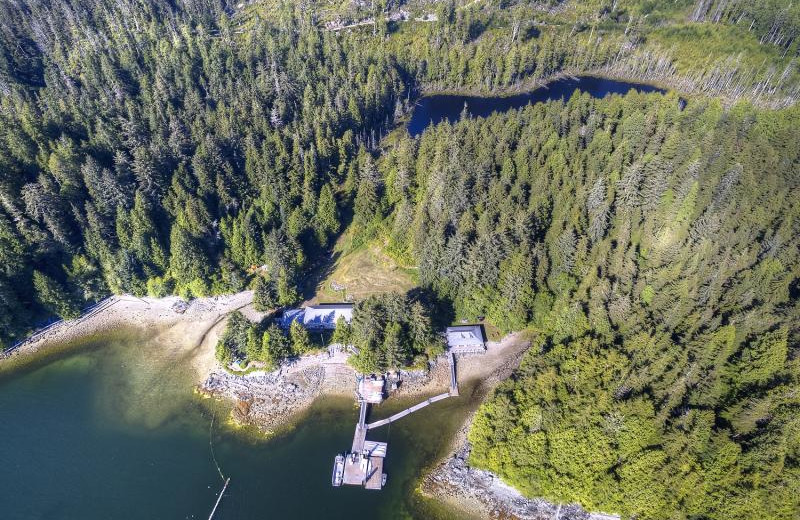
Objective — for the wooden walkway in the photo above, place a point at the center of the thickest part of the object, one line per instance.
(399, 415)
(360, 434)
(407, 411)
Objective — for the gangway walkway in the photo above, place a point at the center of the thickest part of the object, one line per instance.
(362, 414)
(407, 411)
(399, 415)
(453, 381)
(360, 434)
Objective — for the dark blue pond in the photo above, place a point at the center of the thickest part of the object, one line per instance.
(435, 109)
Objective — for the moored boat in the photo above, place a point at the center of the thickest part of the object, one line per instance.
(338, 471)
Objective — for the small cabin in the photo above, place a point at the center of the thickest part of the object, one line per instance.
(466, 339)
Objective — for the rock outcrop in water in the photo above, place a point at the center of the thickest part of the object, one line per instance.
(267, 399)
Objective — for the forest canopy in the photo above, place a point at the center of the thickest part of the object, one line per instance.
(649, 246)
(653, 252)
(176, 147)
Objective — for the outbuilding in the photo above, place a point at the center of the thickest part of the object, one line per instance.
(466, 339)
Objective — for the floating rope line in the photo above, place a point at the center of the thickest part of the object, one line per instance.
(211, 445)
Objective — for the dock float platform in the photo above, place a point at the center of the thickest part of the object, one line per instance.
(363, 464)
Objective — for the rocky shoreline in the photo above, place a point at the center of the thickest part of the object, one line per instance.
(269, 400)
(475, 490)
(264, 400)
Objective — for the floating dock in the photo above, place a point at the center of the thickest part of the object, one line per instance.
(363, 465)
(366, 468)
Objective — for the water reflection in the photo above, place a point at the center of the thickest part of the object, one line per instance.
(437, 108)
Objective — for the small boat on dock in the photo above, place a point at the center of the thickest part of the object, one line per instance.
(338, 471)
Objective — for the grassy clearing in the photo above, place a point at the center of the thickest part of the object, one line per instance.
(362, 272)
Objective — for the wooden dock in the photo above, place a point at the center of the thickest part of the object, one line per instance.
(363, 465)
(374, 478)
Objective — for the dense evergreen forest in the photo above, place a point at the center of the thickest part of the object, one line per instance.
(159, 147)
(654, 252)
(649, 248)
(144, 152)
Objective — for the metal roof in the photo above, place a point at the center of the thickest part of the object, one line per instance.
(465, 335)
(325, 316)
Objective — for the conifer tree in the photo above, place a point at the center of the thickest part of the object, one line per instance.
(54, 297)
(301, 340)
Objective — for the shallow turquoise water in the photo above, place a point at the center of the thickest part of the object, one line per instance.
(112, 430)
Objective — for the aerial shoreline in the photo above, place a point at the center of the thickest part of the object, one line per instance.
(272, 402)
(196, 326)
